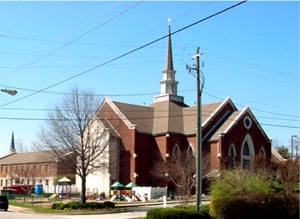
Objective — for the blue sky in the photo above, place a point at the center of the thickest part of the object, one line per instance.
(250, 54)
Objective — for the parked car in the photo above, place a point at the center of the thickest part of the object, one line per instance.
(3, 202)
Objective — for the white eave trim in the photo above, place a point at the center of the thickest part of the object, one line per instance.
(217, 110)
(120, 114)
(277, 155)
(235, 119)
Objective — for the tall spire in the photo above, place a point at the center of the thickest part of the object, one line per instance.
(169, 56)
(168, 86)
(12, 144)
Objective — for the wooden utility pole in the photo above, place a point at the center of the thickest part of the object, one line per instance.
(199, 133)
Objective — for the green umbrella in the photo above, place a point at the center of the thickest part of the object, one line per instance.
(117, 185)
(131, 185)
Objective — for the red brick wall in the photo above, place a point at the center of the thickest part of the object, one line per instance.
(127, 144)
(237, 135)
(145, 149)
(38, 171)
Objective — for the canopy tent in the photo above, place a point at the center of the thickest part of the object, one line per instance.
(64, 179)
(131, 185)
(117, 185)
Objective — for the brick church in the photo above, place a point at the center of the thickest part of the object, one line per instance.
(230, 137)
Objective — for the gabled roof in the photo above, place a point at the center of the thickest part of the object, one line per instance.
(23, 158)
(226, 125)
(134, 116)
(164, 116)
(233, 119)
(276, 157)
(167, 117)
(211, 110)
(140, 117)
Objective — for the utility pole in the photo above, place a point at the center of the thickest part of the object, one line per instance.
(199, 133)
(199, 127)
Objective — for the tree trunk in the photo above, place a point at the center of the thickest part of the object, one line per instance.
(83, 190)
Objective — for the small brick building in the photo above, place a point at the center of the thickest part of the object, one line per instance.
(29, 169)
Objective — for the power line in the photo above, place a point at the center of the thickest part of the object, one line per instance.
(249, 65)
(138, 118)
(154, 93)
(77, 38)
(128, 53)
(191, 110)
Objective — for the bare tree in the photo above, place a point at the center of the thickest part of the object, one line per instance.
(289, 173)
(180, 170)
(76, 137)
(22, 148)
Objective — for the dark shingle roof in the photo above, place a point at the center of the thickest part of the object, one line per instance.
(165, 116)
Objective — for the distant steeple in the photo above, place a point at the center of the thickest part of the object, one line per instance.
(12, 148)
(168, 86)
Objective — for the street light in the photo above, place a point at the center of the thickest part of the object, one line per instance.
(11, 92)
(292, 143)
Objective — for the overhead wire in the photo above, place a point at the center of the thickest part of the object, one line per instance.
(138, 118)
(79, 37)
(128, 53)
(147, 45)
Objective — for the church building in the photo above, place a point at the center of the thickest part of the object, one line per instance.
(230, 137)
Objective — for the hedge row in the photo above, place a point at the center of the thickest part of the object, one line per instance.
(78, 205)
(253, 207)
(178, 213)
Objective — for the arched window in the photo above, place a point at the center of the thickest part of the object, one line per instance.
(247, 153)
(232, 155)
(176, 152)
(190, 151)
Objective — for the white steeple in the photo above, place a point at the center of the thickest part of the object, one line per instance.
(168, 86)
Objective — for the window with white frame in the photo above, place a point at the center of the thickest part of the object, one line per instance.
(190, 151)
(247, 153)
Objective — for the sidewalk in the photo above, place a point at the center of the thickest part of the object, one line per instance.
(19, 209)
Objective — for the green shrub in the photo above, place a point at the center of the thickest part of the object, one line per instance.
(272, 206)
(240, 190)
(78, 205)
(204, 212)
(109, 204)
(174, 213)
(73, 205)
(54, 205)
(61, 206)
(237, 182)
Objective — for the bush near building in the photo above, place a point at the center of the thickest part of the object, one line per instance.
(178, 213)
(246, 194)
(254, 207)
(78, 205)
